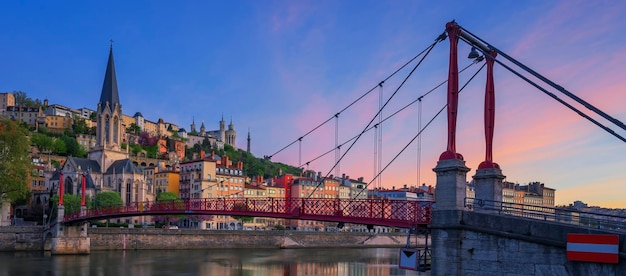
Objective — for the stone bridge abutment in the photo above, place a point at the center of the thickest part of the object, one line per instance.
(465, 242)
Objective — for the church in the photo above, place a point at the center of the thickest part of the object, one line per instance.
(108, 166)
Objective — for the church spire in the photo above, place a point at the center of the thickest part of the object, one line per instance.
(109, 87)
(248, 140)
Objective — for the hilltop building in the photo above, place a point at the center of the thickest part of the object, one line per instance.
(226, 136)
(6, 100)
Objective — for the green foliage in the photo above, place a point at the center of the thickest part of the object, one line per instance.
(72, 147)
(135, 149)
(93, 116)
(79, 126)
(59, 147)
(166, 196)
(151, 151)
(14, 163)
(21, 99)
(133, 128)
(106, 199)
(70, 202)
(43, 142)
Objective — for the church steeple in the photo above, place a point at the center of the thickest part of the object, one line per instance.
(109, 92)
(248, 140)
(109, 122)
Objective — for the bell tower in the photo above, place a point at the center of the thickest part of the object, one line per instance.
(110, 125)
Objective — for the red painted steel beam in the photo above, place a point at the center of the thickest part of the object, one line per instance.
(453, 92)
(490, 110)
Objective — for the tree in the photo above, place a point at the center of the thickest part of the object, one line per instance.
(107, 199)
(79, 126)
(43, 142)
(59, 146)
(70, 202)
(133, 128)
(14, 163)
(72, 147)
(93, 116)
(168, 196)
(21, 99)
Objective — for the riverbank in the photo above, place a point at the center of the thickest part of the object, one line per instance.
(29, 238)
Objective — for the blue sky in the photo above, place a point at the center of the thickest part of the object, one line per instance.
(280, 68)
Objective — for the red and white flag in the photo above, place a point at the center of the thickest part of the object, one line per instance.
(593, 248)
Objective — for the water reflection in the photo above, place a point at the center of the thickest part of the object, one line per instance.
(375, 261)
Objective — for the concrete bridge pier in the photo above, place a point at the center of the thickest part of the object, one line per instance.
(446, 237)
(488, 187)
(70, 239)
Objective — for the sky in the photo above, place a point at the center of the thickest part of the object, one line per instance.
(278, 69)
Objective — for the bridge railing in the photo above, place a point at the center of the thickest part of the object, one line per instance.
(366, 211)
(561, 215)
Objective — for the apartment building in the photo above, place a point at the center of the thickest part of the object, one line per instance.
(58, 123)
(167, 181)
(534, 193)
(6, 100)
(32, 116)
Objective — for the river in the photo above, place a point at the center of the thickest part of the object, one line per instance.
(325, 261)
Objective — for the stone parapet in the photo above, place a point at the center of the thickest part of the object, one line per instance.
(489, 244)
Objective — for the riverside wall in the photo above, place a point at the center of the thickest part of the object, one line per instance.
(470, 243)
(153, 239)
(17, 238)
(21, 238)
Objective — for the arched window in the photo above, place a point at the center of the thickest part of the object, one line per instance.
(129, 191)
(116, 130)
(69, 184)
(107, 133)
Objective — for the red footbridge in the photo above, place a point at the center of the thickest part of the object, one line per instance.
(382, 212)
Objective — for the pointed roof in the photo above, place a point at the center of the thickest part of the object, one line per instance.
(73, 163)
(109, 87)
(123, 166)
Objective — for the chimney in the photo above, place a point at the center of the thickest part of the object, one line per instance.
(343, 176)
(225, 159)
(240, 165)
(201, 154)
(213, 154)
(360, 179)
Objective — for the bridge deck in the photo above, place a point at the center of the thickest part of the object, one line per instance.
(383, 212)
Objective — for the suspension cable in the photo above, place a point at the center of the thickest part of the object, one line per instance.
(380, 110)
(551, 83)
(440, 38)
(605, 128)
(390, 116)
(419, 133)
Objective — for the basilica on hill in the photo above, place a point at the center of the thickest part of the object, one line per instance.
(108, 166)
